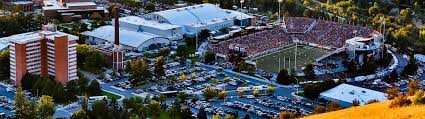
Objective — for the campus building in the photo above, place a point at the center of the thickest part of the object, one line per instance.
(159, 29)
(345, 94)
(45, 52)
(69, 9)
(204, 16)
(25, 5)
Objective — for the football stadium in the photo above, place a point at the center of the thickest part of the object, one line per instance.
(296, 43)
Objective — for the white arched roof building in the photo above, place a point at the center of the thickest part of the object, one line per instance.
(130, 40)
(203, 16)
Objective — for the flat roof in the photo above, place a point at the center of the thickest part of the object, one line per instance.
(22, 2)
(149, 23)
(32, 36)
(74, 4)
(127, 37)
(348, 93)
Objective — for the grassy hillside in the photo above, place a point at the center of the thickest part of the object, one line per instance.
(375, 111)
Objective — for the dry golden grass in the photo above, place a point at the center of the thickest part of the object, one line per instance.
(375, 111)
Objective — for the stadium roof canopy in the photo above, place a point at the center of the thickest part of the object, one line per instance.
(348, 93)
(127, 37)
(203, 13)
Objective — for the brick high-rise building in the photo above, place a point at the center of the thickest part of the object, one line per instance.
(46, 52)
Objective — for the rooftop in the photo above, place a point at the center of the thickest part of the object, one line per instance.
(203, 13)
(73, 4)
(127, 37)
(149, 23)
(32, 36)
(348, 93)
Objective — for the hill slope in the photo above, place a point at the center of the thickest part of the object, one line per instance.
(375, 111)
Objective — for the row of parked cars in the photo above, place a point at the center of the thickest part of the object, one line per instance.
(261, 112)
(7, 103)
(282, 107)
(295, 101)
(209, 108)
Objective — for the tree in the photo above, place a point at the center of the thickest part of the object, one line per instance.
(94, 88)
(204, 34)
(159, 69)
(150, 7)
(333, 106)
(240, 93)
(319, 109)
(187, 114)
(374, 9)
(246, 116)
(5, 62)
(162, 98)
(210, 93)
(271, 90)
(413, 87)
(214, 81)
(182, 77)
(222, 94)
(21, 103)
(209, 57)
(256, 92)
(80, 114)
(309, 72)
(355, 103)
(139, 72)
(182, 96)
(202, 114)
(164, 52)
(393, 77)
(419, 97)
(284, 78)
(411, 67)
(89, 59)
(287, 115)
(46, 107)
(392, 92)
(229, 116)
(371, 101)
(99, 109)
(134, 103)
(154, 109)
(215, 116)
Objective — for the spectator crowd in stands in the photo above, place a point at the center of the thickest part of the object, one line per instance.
(307, 30)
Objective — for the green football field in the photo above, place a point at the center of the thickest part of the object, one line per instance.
(305, 56)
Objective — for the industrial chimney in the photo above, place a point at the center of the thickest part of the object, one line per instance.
(117, 26)
(117, 51)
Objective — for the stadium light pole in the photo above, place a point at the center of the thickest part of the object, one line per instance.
(383, 38)
(196, 39)
(296, 48)
(280, 2)
(242, 1)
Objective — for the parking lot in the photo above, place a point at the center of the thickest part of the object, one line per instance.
(6, 103)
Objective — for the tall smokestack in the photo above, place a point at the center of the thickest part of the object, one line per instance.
(117, 26)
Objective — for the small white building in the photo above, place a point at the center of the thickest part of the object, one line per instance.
(344, 94)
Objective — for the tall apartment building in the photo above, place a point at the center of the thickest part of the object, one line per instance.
(46, 52)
